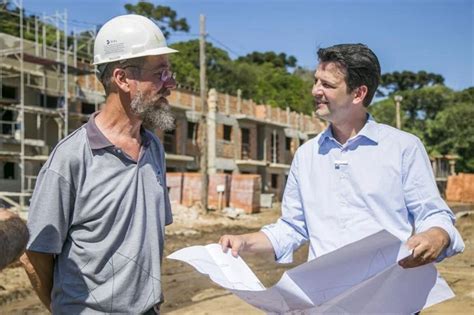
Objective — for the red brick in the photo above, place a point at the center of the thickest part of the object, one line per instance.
(213, 197)
(174, 181)
(468, 191)
(245, 192)
(460, 188)
(192, 184)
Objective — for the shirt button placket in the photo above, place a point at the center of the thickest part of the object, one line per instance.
(344, 188)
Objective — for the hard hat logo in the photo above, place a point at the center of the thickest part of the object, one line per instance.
(138, 37)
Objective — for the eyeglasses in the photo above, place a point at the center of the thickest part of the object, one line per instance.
(164, 75)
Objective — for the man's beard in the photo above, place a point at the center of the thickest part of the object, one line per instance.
(153, 112)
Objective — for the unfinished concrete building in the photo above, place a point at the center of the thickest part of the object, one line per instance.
(244, 137)
(47, 91)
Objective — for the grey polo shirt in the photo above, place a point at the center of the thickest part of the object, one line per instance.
(103, 215)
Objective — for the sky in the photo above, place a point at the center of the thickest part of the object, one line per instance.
(432, 35)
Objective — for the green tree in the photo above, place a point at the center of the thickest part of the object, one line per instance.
(263, 83)
(417, 108)
(440, 117)
(384, 112)
(407, 80)
(164, 16)
(219, 67)
(280, 60)
(452, 132)
(277, 87)
(465, 96)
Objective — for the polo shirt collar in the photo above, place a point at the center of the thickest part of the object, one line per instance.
(97, 140)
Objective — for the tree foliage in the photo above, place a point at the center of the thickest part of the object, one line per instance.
(440, 117)
(164, 16)
(280, 60)
(264, 83)
(407, 80)
(452, 131)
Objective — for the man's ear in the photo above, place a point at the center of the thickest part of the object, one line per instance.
(121, 80)
(360, 93)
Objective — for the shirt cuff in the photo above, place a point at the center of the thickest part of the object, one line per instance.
(285, 240)
(456, 244)
(280, 256)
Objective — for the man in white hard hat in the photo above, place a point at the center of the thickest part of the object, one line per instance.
(100, 205)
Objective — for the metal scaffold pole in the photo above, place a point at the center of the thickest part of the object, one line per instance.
(22, 111)
(66, 102)
(203, 124)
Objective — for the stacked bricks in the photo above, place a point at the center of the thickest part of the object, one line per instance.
(245, 192)
(192, 184)
(213, 197)
(460, 188)
(174, 183)
(240, 191)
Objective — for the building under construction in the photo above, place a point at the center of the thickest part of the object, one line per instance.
(47, 91)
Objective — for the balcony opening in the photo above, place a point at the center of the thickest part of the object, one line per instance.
(245, 143)
(227, 133)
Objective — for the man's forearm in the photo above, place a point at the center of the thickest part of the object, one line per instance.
(40, 267)
(257, 242)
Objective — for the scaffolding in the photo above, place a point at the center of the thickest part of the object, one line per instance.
(34, 65)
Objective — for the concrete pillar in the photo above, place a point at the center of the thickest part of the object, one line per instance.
(227, 104)
(452, 167)
(275, 147)
(237, 139)
(239, 100)
(265, 144)
(287, 115)
(211, 131)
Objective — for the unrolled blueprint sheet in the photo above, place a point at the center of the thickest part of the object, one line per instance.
(362, 277)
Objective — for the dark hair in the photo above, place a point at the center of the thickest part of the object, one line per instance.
(105, 71)
(359, 64)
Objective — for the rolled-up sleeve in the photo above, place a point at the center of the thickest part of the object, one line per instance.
(290, 231)
(423, 200)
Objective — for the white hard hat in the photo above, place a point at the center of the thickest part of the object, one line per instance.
(129, 36)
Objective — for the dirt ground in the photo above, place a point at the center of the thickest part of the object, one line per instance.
(188, 292)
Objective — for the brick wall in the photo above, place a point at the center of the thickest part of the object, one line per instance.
(213, 199)
(192, 185)
(460, 188)
(252, 154)
(245, 192)
(174, 182)
(225, 149)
